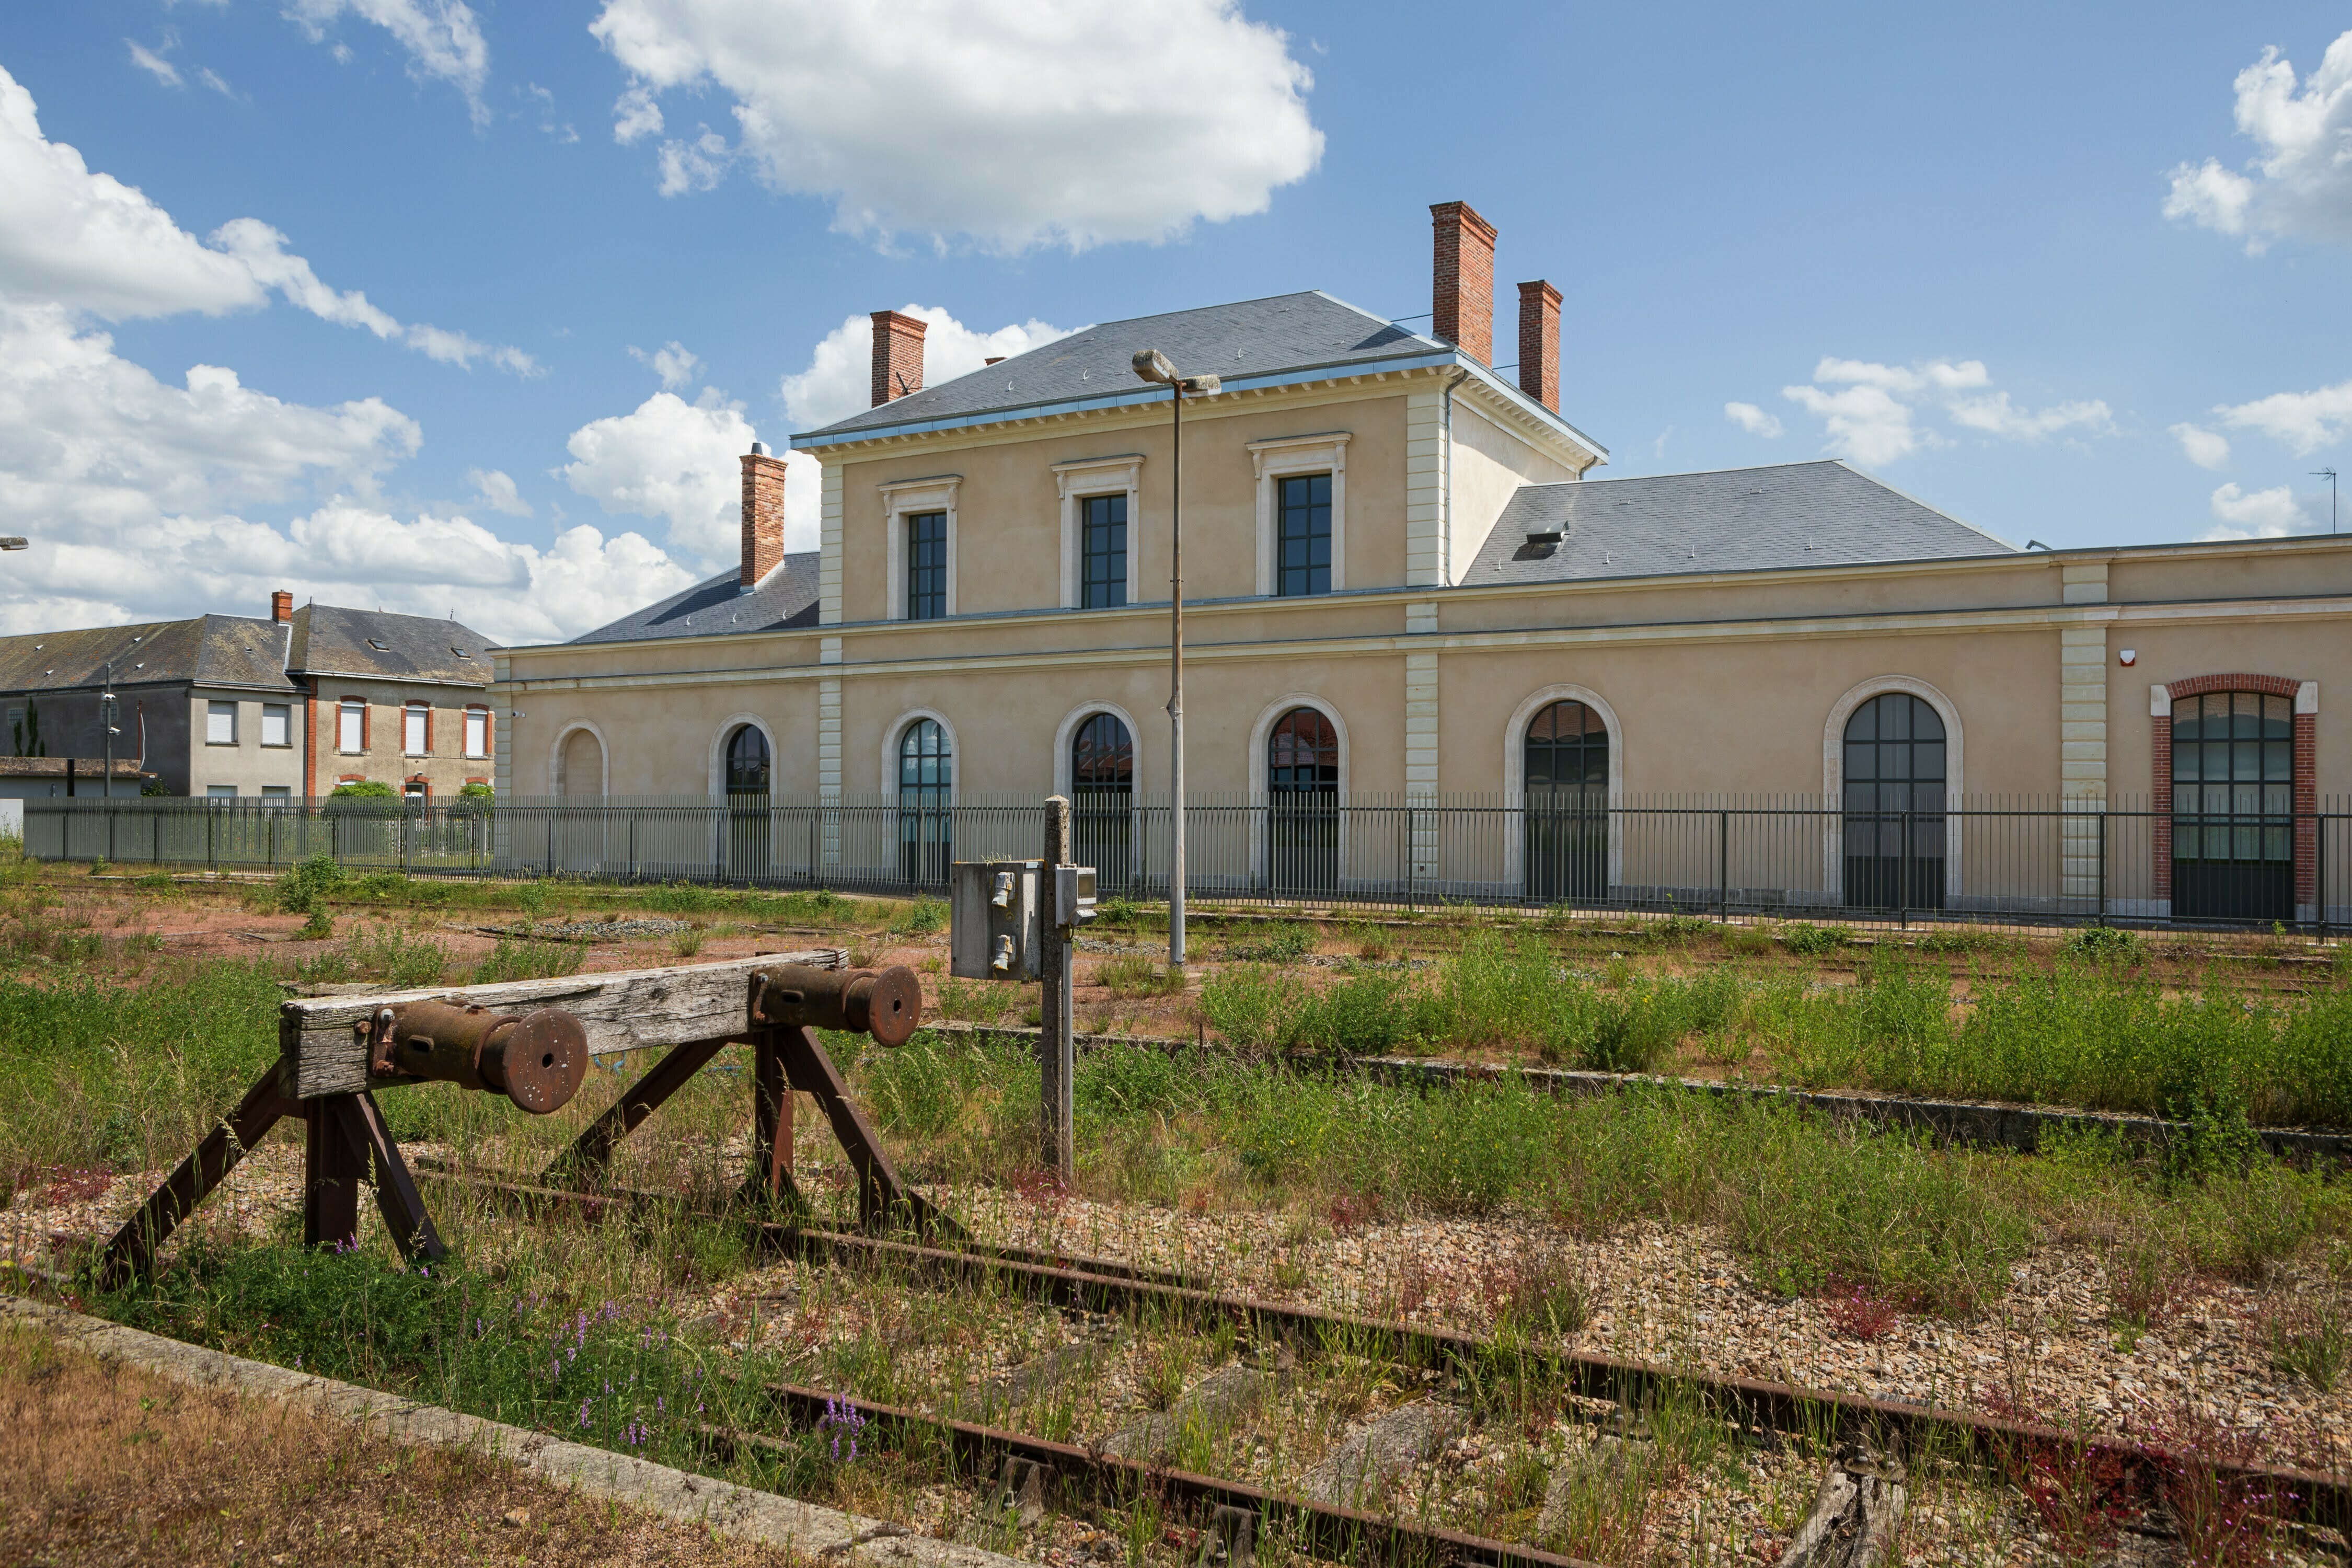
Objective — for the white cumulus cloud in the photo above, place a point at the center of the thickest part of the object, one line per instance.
(1753, 420)
(2299, 183)
(1873, 413)
(2303, 420)
(672, 363)
(672, 459)
(443, 39)
(1014, 122)
(79, 237)
(2206, 448)
(495, 489)
(2259, 514)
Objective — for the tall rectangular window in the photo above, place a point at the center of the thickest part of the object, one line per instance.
(414, 735)
(277, 724)
(1102, 552)
(220, 723)
(351, 726)
(927, 565)
(477, 731)
(1303, 535)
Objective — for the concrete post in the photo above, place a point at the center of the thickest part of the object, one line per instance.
(1056, 1051)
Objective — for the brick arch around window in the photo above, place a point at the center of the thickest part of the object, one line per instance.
(2305, 798)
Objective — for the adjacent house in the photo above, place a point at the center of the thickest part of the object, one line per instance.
(1400, 586)
(233, 707)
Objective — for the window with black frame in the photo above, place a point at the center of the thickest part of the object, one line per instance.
(2233, 807)
(1302, 790)
(1895, 803)
(1302, 536)
(1567, 784)
(926, 796)
(927, 565)
(1102, 799)
(1102, 552)
(748, 778)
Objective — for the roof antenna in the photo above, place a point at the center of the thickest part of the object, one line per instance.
(2329, 475)
(2035, 545)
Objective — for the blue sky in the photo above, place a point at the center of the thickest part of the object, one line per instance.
(2074, 273)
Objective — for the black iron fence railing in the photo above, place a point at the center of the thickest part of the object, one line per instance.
(2071, 860)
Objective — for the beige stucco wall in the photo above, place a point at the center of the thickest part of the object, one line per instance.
(249, 766)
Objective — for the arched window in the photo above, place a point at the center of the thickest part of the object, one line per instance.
(747, 762)
(926, 791)
(1302, 787)
(1567, 782)
(2233, 807)
(1102, 799)
(746, 798)
(1895, 796)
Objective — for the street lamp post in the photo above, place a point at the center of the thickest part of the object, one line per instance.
(107, 709)
(1154, 366)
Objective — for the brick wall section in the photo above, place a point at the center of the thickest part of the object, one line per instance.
(2305, 798)
(898, 355)
(763, 516)
(1539, 342)
(1461, 280)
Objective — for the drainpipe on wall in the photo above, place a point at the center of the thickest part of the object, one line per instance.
(1445, 504)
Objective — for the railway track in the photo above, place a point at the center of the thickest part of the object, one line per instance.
(1756, 1406)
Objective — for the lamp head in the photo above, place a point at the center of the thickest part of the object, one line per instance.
(1151, 364)
(1200, 386)
(16, 542)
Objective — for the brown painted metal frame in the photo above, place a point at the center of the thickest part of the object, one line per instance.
(783, 1060)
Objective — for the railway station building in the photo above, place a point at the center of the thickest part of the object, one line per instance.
(1428, 647)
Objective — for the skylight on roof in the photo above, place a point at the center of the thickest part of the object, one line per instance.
(461, 653)
(379, 644)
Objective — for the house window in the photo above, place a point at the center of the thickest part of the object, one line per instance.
(1302, 786)
(927, 565)
(220, 725)
(351, 726)
(926, 793)
(1894, 788)
(1102, 552)
(277, 724)
(416, 729)
(277, 794)
(2233, 807)
(220, 792)
(747, 762)
(477, 731)
(1567, 773)
(415, 789)
(1303, 535)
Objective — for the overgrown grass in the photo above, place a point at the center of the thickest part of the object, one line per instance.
(514, 959)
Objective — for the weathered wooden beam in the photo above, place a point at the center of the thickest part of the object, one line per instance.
(623, 1011)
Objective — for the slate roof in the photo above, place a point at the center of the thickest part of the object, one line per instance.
(1284, 331)
(785, 599)
(230, 650)
(330, 639)
(1820, 513)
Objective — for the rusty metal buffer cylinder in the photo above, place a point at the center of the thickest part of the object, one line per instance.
(536, 1059)
(994, 929)
(887, 1004)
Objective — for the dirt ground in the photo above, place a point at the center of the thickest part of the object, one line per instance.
(105, 1464)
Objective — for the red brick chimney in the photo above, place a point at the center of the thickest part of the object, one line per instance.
(1463, 281)
(763, 514)
(1539, 342)
(898, 355)
(281, 604)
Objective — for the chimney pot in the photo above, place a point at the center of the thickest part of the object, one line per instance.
(1461, 280)
(281, 604)
(898, 355)
(992, 358)
(763, 516)
(1539, 342)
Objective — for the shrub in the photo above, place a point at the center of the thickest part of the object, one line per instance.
(303, 889)
(1806, 939)
(363, 789)
(2109, 943)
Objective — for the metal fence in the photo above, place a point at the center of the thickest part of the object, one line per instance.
(1998, 860)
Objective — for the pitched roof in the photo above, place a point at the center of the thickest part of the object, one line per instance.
(377, 645)
(231, 650)
(785, 599)
(1821, 513)
(1284, 331)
